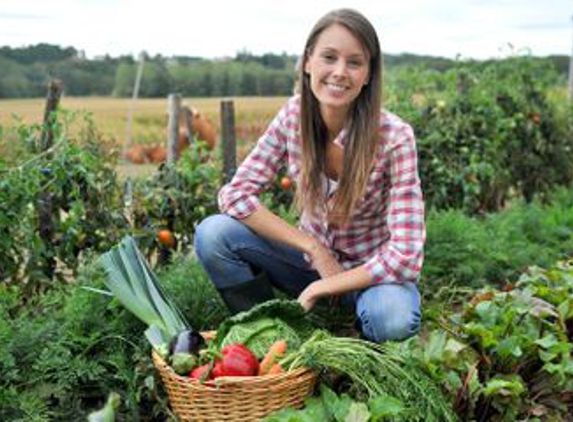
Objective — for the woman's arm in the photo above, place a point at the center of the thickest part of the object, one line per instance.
(355, 279)
(270, 226)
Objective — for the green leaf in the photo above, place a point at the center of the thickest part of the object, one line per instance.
(385, 406)
(434, 350)
(337, 407)
(509, 347)
(547, 341)
(511, 385)
(358, 412)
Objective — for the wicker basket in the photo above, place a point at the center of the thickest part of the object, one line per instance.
(234, 398)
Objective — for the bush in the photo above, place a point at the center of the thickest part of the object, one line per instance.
(487, 132)
(463, 251)
(63, 354)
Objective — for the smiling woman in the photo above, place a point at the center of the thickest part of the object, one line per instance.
(354, 170)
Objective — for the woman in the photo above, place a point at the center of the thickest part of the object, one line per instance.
(362, 232)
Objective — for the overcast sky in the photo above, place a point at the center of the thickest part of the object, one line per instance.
(214, 28)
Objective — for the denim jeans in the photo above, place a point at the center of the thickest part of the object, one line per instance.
(230, 252)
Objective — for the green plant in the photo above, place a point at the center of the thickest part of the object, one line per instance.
(506, 355)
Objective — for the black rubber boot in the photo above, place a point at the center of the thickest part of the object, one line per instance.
(244, 296)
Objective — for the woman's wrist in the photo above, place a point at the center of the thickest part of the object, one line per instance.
(310, 245)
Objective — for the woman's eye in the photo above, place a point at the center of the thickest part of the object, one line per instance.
(329, 57)
(354, 63)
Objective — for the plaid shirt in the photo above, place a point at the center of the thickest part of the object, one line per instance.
(386, 232)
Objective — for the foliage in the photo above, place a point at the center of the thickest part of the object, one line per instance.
(87, 206)
(26, 72)
(330, 407)
(177, 197)
(486, 132)
(463, 251)
(376, 370)
(506, 355)
(61, 358)
(78, 190)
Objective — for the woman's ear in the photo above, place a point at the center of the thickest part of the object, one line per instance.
(306, 65)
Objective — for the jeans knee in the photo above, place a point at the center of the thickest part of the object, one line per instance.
(388, 317)
(211, 236)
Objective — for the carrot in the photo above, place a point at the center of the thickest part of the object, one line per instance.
(277, 350)
(276, 369)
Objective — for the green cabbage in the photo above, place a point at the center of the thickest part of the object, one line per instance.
(259, 327)
(259, 335)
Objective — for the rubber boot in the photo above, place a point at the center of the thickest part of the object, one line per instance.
(244, 296)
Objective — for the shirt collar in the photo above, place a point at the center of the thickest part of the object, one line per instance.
(340, 140)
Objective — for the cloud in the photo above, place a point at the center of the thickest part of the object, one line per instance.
(21, 16)
(473, 28)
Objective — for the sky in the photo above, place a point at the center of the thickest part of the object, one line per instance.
(477, 29)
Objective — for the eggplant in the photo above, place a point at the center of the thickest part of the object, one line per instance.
(184, 349)
(187, 341)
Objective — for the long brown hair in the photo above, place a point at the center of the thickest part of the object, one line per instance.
(362, 123)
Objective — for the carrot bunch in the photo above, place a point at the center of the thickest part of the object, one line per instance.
(269, 363)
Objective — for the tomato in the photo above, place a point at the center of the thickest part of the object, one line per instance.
(201, 372)
(286, 183)
(166, 238)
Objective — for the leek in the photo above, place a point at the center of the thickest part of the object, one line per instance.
(134, 284)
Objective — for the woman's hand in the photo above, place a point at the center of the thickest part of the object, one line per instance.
(323, 261)
(310, 295)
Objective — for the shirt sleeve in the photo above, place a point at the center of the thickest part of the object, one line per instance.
(400, 259)
(240, 197)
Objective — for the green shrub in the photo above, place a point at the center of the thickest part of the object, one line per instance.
(487, 131)
(59, 360)
(463, 251)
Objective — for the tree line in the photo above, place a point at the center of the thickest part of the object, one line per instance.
(26, 71)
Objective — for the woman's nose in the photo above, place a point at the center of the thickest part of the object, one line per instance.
(340, 68)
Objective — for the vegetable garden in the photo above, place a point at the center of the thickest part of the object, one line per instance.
(495, 142)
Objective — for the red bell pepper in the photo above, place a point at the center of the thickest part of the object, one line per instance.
(237, 361)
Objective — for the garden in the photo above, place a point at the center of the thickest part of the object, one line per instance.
(495, 145)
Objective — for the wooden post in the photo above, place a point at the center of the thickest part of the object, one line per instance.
(188, 120)
(50, 118)
(174, 101)
(570, 95)
(228, 140)
(45, 200)
(134, 95)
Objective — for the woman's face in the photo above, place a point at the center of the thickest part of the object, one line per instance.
(338, 68)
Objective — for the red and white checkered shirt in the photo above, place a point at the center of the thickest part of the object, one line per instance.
(386, 233)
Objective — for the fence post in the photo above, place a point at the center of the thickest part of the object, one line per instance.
(52, 102)
(174, 101)
(228, 140)
(570, 90)
(188, 120)
(45, 200)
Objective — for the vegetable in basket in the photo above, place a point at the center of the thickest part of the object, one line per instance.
(132, 282)
(261, 326)
(269, 361)
(237, 361)
(184, 349)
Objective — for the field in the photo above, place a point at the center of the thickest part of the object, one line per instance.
(110, 116)
(149, 115)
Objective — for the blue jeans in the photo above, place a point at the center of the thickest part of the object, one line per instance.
(230, 252)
